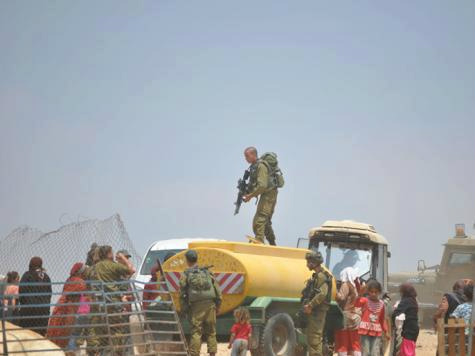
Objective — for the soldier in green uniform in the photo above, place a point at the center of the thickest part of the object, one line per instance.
(200, 299)
(263, 185)
(109, 273)
(315, 297)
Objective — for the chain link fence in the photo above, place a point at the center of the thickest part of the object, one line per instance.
(91, 318)
(61, 248)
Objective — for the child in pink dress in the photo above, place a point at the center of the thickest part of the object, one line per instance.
(407, 310)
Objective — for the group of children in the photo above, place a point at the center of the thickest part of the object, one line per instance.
(366, 319)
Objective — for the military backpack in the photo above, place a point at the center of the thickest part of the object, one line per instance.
(200, 284)
(276, 178)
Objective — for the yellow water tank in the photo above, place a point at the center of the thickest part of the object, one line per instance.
(245, 270)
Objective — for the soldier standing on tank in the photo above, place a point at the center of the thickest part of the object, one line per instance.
(315, 302)
(200, 299)
(258, 184)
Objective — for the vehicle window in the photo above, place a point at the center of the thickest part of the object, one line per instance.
(459, 258)
(340, 258)
(152, 257)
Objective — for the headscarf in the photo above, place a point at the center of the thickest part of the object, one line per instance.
(350, 275)
(36, 266)
(36, 263)
(77, 269)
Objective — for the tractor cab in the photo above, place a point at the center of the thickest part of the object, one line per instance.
(352, 244)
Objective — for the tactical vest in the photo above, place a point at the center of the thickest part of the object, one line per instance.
(253, 177)
(311, 290)
(200, 284)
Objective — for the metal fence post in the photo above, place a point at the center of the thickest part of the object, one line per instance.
(471, 334)
(4, 325)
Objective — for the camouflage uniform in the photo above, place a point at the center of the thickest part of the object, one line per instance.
(202, 317)
(318, 284)
(262, 223)
(93, 334)
(109, 272)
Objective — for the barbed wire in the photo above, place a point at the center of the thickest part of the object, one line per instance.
(63, 247)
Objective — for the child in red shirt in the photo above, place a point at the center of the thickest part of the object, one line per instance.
(373, 321)
(240, 332)
(347, 340)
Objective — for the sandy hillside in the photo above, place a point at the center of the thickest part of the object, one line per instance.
(426, 345)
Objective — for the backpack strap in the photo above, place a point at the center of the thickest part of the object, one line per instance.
(328, 281)
(265, 163)
(187, 273)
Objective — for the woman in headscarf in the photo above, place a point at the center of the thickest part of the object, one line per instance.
(347, 339)
(35, 297)
(63, 319)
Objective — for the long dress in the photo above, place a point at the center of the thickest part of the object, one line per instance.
(35, 300)
(63, 318)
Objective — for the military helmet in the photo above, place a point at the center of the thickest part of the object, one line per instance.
(314, 256)
(191, 256)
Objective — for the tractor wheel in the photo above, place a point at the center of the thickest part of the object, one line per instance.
(279, 338)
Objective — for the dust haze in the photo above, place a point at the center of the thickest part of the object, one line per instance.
(145, 110)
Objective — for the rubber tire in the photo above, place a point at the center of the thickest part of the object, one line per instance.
(280, 322)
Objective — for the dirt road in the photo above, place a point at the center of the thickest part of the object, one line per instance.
(426, 345)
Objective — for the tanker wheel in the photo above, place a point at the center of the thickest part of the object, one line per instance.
(279, 337)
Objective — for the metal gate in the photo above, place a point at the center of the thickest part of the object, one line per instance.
(94, 319)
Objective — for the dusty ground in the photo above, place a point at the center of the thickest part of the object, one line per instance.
(426, 345)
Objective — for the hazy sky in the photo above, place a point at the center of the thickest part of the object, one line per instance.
(144, 108)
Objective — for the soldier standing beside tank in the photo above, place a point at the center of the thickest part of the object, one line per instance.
(262, 185)
(200, 299)
(315, 298)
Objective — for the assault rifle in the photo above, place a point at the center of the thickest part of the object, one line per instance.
(242, 190)
(308, 294)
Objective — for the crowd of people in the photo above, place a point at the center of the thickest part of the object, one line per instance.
(100, 288)
(94, 290)
(457, 304)
(368, 317)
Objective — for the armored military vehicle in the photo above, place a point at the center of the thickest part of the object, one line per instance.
(458, 262)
